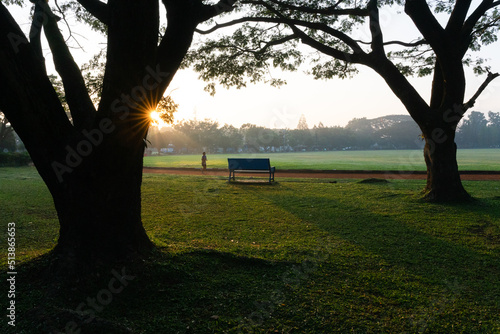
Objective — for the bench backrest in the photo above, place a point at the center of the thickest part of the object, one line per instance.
(248, 164)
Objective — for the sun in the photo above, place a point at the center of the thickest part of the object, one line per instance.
(156, 120)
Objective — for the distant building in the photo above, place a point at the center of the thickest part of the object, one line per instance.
(151, 151)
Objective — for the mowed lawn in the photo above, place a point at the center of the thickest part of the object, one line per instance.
(398, 160)
(298, 256)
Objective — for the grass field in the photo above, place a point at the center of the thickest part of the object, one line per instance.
(299, 256)
(409, 160)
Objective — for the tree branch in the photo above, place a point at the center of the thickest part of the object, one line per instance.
(228, 24)
(262, 49)
(278, 42)
(81, 106)
(426, 23)
(410, 45)
(318, 26)
(471, 21)
(28, 99)
(472, 101)
(290, 22)
(406, 44)
(179, 35)
(274, 42)
(211, 11)
(67, 25)
(490, 24)
(36, 33)
(458, 15)
(335, 53)
(97, 8)
(375, 29)
(477, 14)
(355, 11)
(331, 10)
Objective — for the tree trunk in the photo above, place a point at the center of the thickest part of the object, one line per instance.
(94, 232)
(437, 122)
(443, 178)
(97, 195)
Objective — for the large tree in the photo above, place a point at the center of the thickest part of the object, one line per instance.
(268, 33)
(91, 161)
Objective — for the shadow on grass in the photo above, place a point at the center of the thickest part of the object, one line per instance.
(197, 292)
(438, 256)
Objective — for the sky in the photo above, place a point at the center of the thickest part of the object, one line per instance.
(333, 102)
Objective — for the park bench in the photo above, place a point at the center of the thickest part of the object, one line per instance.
(250, 166)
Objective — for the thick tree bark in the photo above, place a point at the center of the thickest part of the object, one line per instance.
(443, 178)
(438, 125)
(98, 196)
(93, 172)
(440, 150)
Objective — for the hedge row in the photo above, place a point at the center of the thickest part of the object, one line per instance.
(14, 159)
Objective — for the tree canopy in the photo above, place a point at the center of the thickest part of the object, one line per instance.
(341, 35)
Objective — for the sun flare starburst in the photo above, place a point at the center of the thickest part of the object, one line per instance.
(156, 119)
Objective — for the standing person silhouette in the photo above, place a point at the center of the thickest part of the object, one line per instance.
(204, 162)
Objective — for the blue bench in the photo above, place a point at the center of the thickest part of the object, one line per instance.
(250, 166)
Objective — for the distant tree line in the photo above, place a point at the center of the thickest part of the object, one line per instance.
(9, 140)
(477, 131)
(383, 133)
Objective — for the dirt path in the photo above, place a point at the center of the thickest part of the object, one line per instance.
(466, 175)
